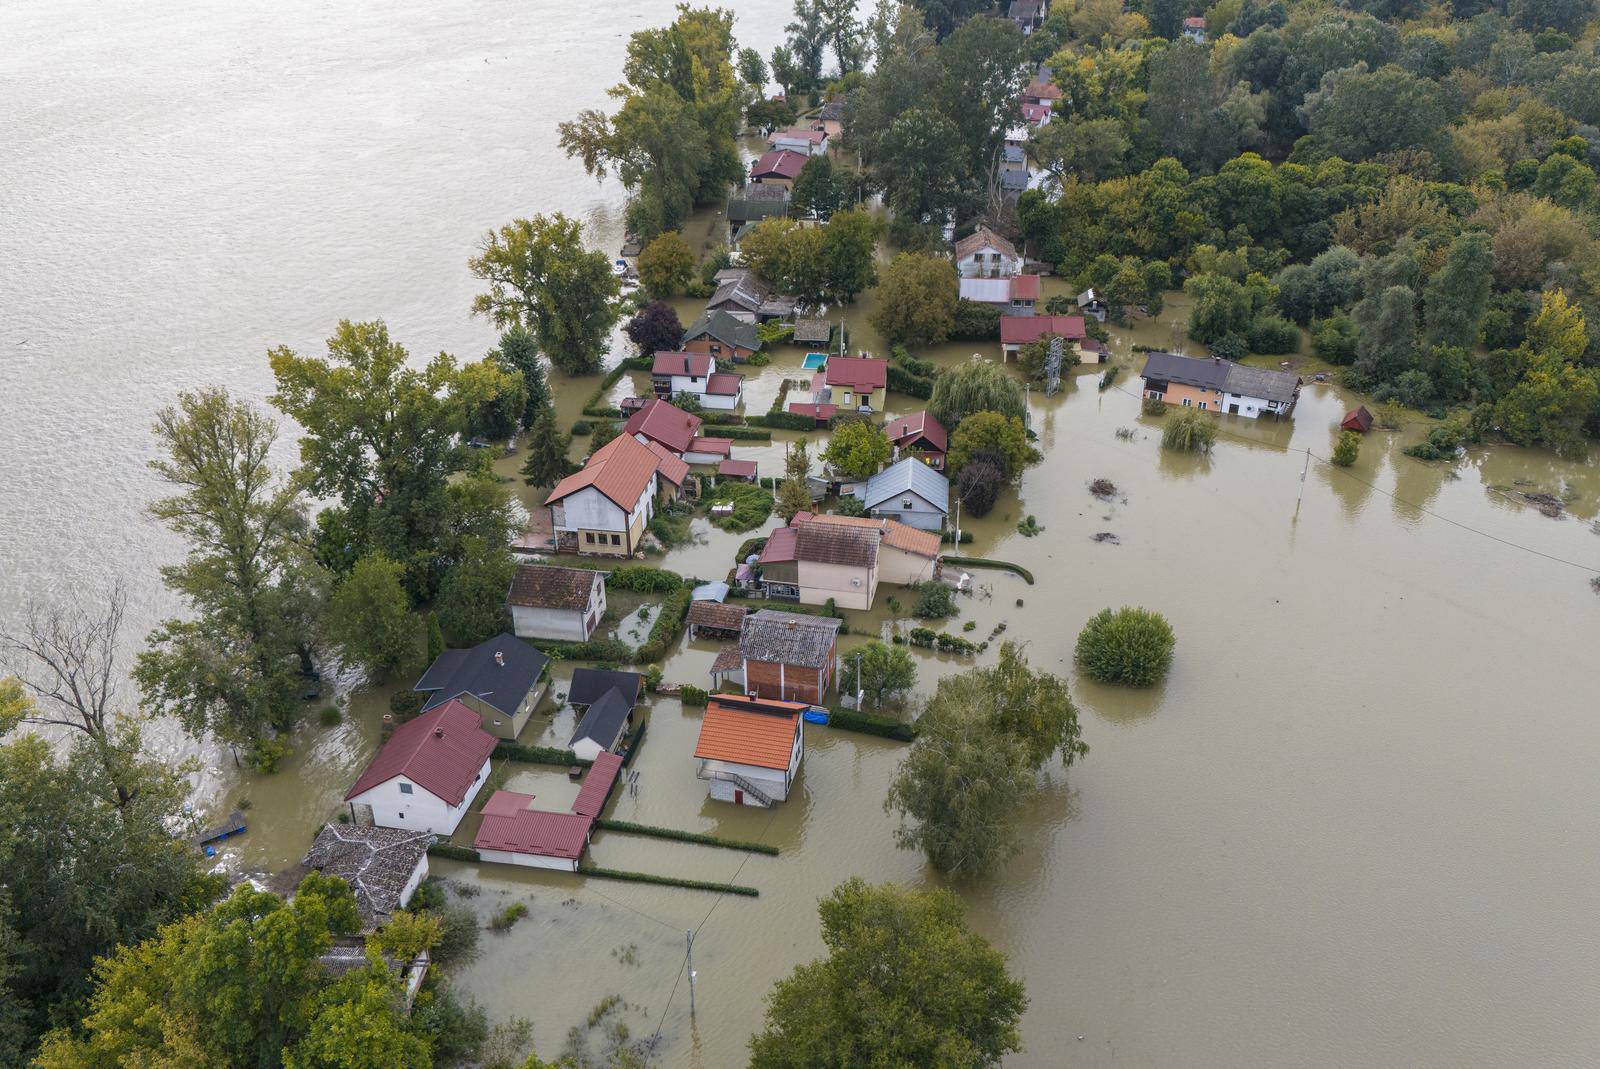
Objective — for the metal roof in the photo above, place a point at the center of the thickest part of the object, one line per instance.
(597, 785)
(510, 826)
(909, 475)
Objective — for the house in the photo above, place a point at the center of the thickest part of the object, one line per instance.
(831, 119)
(1092, 304)
(1093, 351)
(424, 778)
(1017, 295)
(1017, 331)
(789, 656)
(1194, 29)
(1036, 115)
(383, 866)
(812, 563)
(985, 254)
(919, 435)
(808, 141)
(605, 722)
(753, 203)
(906, 556)
(589, 685)
(1358, 420)
(1042, 91)
(745, 295)
(908, 491)
(822, 413)
(740, 470)
(722, 335)
(749, 750)
(502, 679)
(780, 167)
(1014, 183)
(707, 450)
(1218, 385)
(1029, 15)
(603, 508)
(854, 383)
(512, 832)
(556, 603)
(713, 619)
(664, 424)
(694, 374)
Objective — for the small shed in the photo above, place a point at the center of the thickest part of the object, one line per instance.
(812, 332)
(602, 726)
(715, 620)
(740, 470)
(383, 866)
(1358, 420)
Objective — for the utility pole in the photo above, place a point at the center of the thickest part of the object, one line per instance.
(689, 935)
(1302, 493)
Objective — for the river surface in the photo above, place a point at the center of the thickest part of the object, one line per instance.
(1354, 826)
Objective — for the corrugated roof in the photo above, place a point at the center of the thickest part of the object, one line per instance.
(1025, 288)
(748, 731)
(1020, 330)
(857, 372)
(534, 831)
(545, 586)
(597, 785)
(789, 638)
(441, 751)
(910, 475)
(917, 425)
(986, 290)
(981, 238)
(662, 422)
(620, 470)
(498, 671)
(604, 720)
(697, 365)
(826, 543)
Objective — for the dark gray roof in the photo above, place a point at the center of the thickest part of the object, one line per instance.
(604, 721)
(1014, 154)
(501, 683)
(1014, 181)
(377, 863)
(589, 685)
(832, 111)
(1208, 374)
(1265, 383)
(788, 638)
(909, 475)
(725, 329)
(758, 202)
(739, 287)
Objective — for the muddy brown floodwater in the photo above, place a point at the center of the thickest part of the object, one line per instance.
(1354, 826)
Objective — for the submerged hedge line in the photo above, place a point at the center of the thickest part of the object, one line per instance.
(537, 755)
(867, 724)
(667, 881)
(985, 562)
(630, 828)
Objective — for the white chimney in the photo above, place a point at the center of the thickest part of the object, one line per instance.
(499, 658)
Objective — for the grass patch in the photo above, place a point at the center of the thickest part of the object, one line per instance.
(629, 828)
(751, 505)
(503, 919)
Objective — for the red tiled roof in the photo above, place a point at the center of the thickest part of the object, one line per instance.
(796, 133)
(716, 615)
(1034, 112)
(441, 751)
(918, 425)
(1194, 22)
(715, 446)
(545, 586)
(597, 785)
(660, 421)
(821, 413)
(670, 363)
(738, 469)
(520, 830)
(912, 540)
(620, 470)
(1043, 90)
(749, 731)
(779, 163)
(857, 372)
(669, 465)
(725, 384)
(1025, 288)
(780, 547)
(1019, 330)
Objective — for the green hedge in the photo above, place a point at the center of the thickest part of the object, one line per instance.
(537, 755)
(948, 537)
(985, 562)
(902, 381)
(667, 881)
(582, 427)
(783, 421)
(721, 419)
(692, 696)
(454, 853)
(867, 724)
(742, 434)
(669, 622)
(630, 828)
(602, 412)
(598, 649)
(644, 579)
(928, 638)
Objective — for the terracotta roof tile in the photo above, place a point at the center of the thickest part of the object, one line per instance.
(857, 372)
(669, 465)
(441, 751)
(545, 586)
(664, 423)
(620, 470)
(826, 543)
(749, 731)
(717, 615)
(670, 363)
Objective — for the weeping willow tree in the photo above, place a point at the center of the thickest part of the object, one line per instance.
(1189, 432)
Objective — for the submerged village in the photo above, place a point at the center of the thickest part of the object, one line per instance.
(711, 673)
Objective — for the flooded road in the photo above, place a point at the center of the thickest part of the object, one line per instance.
(1354, 826)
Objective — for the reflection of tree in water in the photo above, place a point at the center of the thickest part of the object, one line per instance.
(1353, 485)
(1123, 706)
(1176, 465)
(1417, 484)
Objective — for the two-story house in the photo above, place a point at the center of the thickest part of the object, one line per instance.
(603, 508)
(985, 254)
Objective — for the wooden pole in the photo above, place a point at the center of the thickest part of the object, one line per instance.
(689, 936)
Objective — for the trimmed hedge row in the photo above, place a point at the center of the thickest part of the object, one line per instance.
(948, 537)
(669, 622)
(783, 421)
(985, 562)
(537, 755)
(902, 381)
(867, 724)
(597, 649)
(644, 579)
(630, 828)
(454, 853)
(667, 881)
(742, 434)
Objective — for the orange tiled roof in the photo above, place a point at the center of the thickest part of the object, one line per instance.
(620, 470)
(749, 731)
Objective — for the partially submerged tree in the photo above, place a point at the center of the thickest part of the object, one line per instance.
(1126, 645)
(548, 444)
(883, 673)
(654, 328)
(991, 433)
(666, 266)
(976, 386)
(370, 621)
(857, 449)
(472, 600)
(916, 300)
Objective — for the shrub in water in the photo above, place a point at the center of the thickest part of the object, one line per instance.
(330, 715)
(1153, 406)
(1190, 432)
(1347, 449)
(935, 601)
(1127, 645)
(505, 918)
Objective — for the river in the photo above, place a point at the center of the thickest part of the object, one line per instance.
(1352, 827)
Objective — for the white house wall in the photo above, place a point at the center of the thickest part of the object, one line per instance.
(564, 624)
(421, 810)
(530, 861)
(590, 510)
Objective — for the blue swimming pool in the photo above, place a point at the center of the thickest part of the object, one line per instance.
(814, 361)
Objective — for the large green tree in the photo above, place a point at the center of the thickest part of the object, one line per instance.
(1457, 296)
(976, 386)
(882, 673)
(916, 300)
(548, 444)
(857, 449)
(370, 621)
(518, 352)
(541, 275)
(472, 601)
(904, 983)
(666, 265)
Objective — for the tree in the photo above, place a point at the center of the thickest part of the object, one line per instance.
(519, 352)
(797, 460)
(846, 36)
(849, 254)
(655, 328)
(230, 671)
(916, 300)
(882, 672)
(793, 497)
(1357, 114)
(1388, 336)
(435, 637)
(548, 445)
(1092, 149)
(992, 433)
(540, 275)
(666, 266)
(752, 69)
(857, 450)
(959, 789)
(92, 859)
(919, 164)
(241, 984)
(472, 600)
(820, 188)
(370, 621)
(1028, 705)
(976, 386)
(979, 483)
(1129, 646)
(1189, 431)
(1457, 296)
(1347, 449)
(904, 983)
(493, 398)
(1034, 356)
(808, 42)
(1335, 339)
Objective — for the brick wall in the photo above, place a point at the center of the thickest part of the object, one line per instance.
(799, 684)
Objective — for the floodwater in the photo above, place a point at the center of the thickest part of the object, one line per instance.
(1352, 827)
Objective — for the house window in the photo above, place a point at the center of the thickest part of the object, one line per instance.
(405, 788)
(588, 536)
(1185, 402)
(1202, 404)
(905, 503)
(616, 540)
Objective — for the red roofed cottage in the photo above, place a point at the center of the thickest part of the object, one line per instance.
(425, 777)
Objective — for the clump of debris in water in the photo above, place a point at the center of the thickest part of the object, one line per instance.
(1103, 488)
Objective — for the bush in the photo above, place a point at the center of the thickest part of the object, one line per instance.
(536, 755)
(867, 724)
(667, 881)
(935, 601)
(454, 853)
(330, 715)
(1189, 432)
(1230, 347)
(503, 919)
(751, 505)
(609, 650)
(458, 935)
(979, 484)
(582, 427)
(1153, 406)
(643, 579)
(405, 704)
(1347, 449)
(783, 421)
(693, 697)
(629, 828)
(1443, 443)
(850, 505)
(903, 381)
(976, 321)
(743, 434)
(455, 1030)
(1128, 645)
(1274, 335)
(665, 630)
